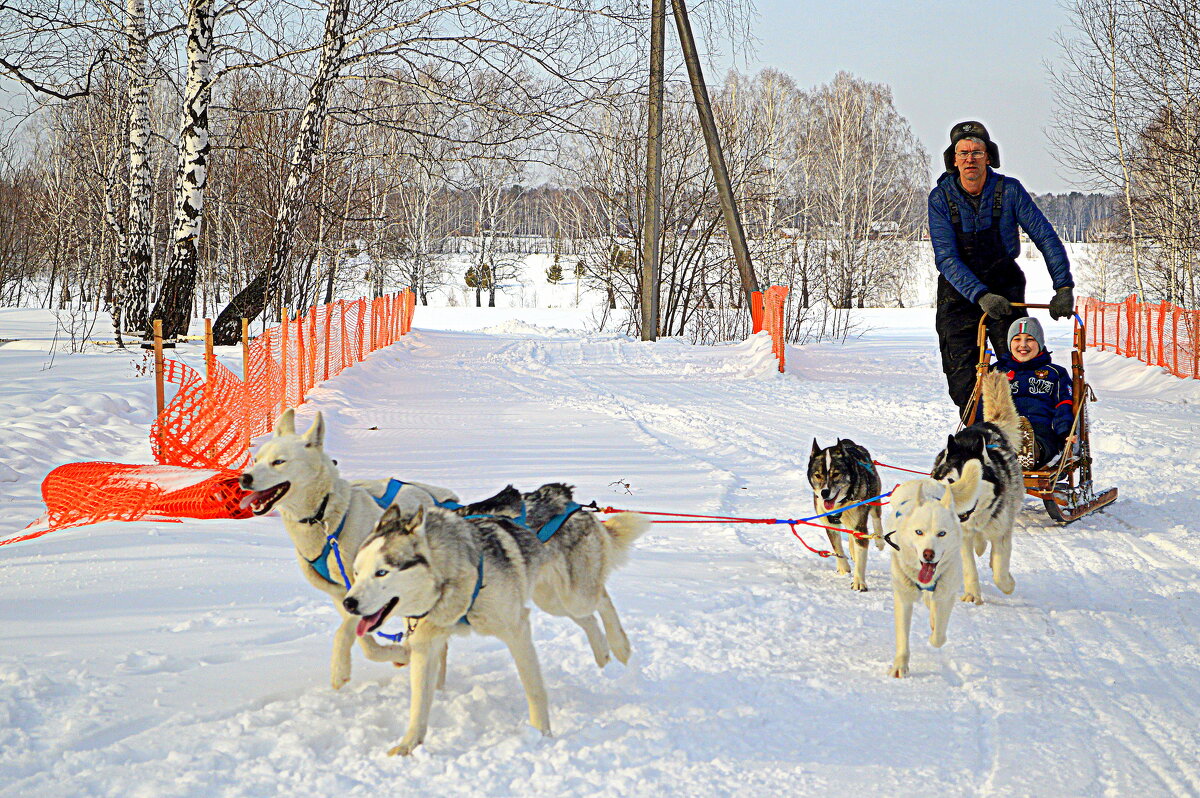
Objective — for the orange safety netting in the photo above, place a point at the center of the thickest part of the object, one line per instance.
(201, 440)
(1159, 334)
(87, 493)
(773, 321)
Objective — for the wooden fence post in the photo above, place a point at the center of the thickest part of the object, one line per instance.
(208, 349)
(284, 325)
(160, 391)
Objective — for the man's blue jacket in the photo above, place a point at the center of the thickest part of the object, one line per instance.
(1016, 209)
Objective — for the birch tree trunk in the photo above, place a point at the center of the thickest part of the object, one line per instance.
(174, 304)
(253, 299)
(136, 252)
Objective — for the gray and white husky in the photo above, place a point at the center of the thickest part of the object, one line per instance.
(453, 575)
(928, 556)
(293, 473)
(993, 443)
(839, 475)
(580, 554)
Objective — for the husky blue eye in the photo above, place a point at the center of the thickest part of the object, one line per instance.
(942, 534)
(381, 572)
(278, 462)
(918, 532)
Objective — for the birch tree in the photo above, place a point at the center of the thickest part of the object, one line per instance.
(174, 304)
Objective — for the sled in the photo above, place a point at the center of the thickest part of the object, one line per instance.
(1065, 484)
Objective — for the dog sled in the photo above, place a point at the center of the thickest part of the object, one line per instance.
(1065, 483)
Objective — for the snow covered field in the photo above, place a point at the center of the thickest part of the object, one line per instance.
(157, 659)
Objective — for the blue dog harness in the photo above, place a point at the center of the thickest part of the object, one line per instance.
(547, 530)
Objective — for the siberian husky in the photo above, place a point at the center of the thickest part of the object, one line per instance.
(580, 555)
(993, 443)
(928, 557)
(294, 474)
(840, 475)
(452, 575)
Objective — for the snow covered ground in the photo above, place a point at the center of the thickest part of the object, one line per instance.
(157, 659)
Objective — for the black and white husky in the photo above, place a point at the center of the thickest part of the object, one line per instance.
(453, 575)
(994, 443)
(294, 474)
(840, 475)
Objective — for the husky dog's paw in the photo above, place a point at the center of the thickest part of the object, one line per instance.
(406, 747)
(858, 584)
(1005, 582)
(973, 597)
(339, 680)
(842, 567)
(898, 670)
(936, 640)
(621, 650)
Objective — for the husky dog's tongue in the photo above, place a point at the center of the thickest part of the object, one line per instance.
(830, 504)
(369, 623)
(926, 572)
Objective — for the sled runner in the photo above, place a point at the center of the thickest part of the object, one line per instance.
(1065, 483)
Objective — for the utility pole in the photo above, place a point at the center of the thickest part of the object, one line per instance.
(716, 159)
(652, 221)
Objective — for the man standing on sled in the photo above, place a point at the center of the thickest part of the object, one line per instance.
(974, 213)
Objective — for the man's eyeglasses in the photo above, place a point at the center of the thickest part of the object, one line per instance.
(972, 155)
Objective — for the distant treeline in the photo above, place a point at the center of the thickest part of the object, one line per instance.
(1075, 215)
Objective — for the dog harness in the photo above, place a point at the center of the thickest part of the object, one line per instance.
(547, 530)
(320, 563)
(394, 486)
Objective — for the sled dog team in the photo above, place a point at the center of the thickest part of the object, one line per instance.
(382, 548)
(938, 524)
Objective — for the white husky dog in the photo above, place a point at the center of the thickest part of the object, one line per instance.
(453, 575)
(928, 556)
(294, 474)
(993, 444)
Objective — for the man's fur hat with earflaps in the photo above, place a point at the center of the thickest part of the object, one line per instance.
(970, 130)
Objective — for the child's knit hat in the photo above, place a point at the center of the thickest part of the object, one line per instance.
(1030, 326)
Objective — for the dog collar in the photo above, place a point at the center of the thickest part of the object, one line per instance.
(964, 517)
(930, 588)
(319, 515)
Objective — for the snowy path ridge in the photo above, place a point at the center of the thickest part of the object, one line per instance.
(190, 659)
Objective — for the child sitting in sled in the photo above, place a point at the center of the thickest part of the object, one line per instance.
(1041, 391)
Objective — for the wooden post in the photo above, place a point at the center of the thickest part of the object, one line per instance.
(301, 368)
(160, 391)
(283, 360)
(342, 315)
(328, 326)
(246, 352)
(312, 347)
(652, 224)
(716, 159)
(208, 349)
(362, 304)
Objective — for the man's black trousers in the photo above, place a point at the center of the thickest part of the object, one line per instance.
(957, 324)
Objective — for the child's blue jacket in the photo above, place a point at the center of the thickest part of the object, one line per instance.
(1041, 390)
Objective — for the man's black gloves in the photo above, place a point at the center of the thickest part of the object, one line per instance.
(1063, 303)
(997, 306)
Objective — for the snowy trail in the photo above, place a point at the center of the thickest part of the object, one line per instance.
(192, 659)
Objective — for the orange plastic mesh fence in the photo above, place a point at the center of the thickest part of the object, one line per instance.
(773, 319)
(1160, 334)
(202, 437)
(87, 493)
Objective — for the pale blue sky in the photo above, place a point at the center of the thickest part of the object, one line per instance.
(945, 62)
